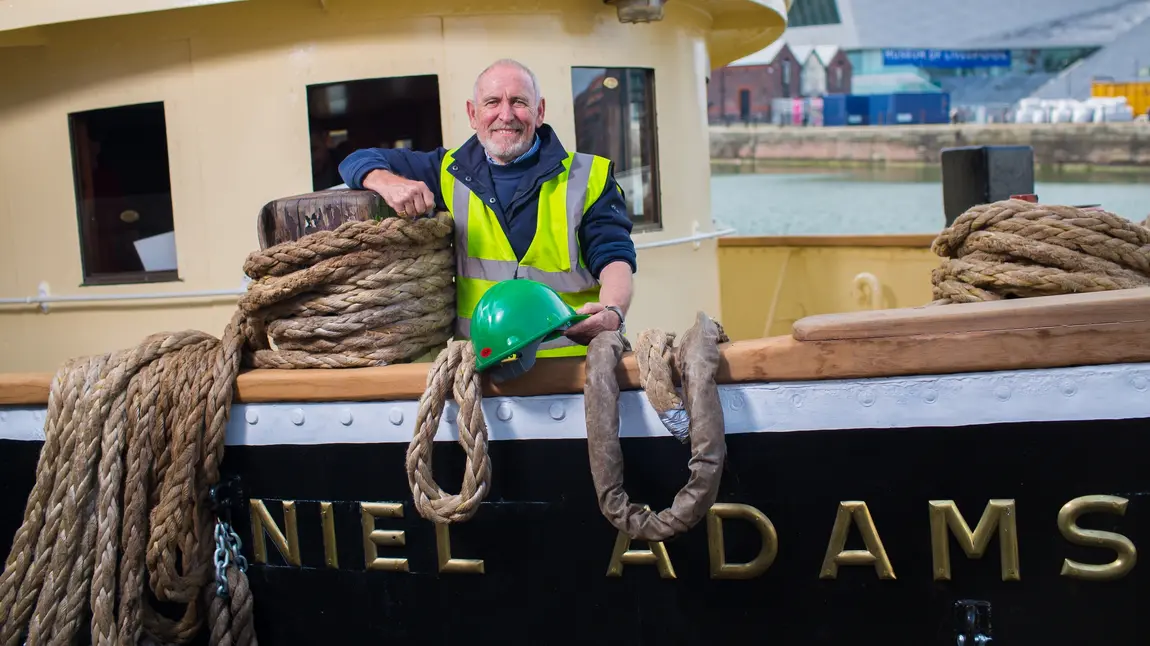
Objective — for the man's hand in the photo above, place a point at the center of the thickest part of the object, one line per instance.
(407, 197)
(601, 320)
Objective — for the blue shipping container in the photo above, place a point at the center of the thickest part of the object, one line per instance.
(920, 108)
(835, 110)
(858, 109)
(880, 110)
(908, 108)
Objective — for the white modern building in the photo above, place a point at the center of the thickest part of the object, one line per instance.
(982, 52)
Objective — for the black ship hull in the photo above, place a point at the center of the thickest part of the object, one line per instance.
(539, 564)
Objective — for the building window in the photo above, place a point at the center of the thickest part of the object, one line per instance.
(808, 13)
(123, 194)
(394, 112)
(615, 118)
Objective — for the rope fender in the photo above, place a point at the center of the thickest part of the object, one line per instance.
(698, 360)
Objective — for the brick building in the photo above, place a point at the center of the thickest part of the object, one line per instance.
(745, 90)
(743, 93)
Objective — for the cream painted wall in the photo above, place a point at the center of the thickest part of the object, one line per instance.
(233, 80)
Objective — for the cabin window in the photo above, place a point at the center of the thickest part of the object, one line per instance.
(615, 118)
(393, 112)
(123, 194)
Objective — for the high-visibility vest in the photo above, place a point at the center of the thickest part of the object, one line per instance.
(483, 254)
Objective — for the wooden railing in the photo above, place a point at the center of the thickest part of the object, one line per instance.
(1047, 332)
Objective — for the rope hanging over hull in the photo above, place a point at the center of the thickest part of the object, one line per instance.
(120, 510)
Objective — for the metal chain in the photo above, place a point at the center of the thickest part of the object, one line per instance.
(228, 551)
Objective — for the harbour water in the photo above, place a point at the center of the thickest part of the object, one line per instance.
(873, 200)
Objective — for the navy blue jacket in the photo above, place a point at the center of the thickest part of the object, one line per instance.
(604, 234)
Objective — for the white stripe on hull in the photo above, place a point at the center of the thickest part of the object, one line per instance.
(1063, 394)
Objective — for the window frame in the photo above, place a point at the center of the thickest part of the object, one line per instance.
(84, 216)
(650, 123)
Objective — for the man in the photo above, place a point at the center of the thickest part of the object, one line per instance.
(523, 206)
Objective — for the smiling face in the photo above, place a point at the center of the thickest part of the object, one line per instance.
(505, 112)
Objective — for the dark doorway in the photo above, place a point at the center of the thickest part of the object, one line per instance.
(745, 105)
(392, 112)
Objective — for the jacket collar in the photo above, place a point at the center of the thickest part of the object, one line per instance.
(551, 152)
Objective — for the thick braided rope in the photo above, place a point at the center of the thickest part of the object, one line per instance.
(655, 369)
(365, 294)
(453, 370)
(1015, 248)
(134, 438)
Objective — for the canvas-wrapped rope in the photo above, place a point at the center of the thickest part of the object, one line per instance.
(697, 358)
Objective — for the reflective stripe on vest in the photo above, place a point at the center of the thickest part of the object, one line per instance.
(484, 255)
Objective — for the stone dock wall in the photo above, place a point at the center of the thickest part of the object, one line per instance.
(1105, 144)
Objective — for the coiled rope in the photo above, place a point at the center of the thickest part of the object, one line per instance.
(1016, 249)
(134, 438)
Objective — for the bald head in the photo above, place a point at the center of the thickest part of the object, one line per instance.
(505, 110)
(508, 65)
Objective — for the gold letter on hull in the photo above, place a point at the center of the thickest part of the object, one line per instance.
(856, 511)
(447, 564)
(623, 556)
(262, 523)
(720, 569)
(373, 538)
(998, 514)
(1068, 525)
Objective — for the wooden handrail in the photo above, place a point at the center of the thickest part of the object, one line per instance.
(1046, 332)
(1120, 306)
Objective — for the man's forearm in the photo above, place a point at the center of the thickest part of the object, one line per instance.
(615, 285)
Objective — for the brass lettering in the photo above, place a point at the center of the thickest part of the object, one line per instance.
(448, 564)
(657, 554)
(330, 553)
(857, 512)
(1000, 514)
(720, 569)
(373, 538)
(261, 520)
(1127, 555)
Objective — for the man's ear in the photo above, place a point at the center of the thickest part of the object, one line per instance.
(539, 117)
(471, 115)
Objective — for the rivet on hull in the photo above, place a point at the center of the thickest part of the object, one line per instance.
(504, 411)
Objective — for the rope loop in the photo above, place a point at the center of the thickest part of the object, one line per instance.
(454, 371)
(698, 358)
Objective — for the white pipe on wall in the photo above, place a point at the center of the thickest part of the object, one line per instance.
(43, 298)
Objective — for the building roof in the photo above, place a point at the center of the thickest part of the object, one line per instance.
(949, 24)
(763, 56)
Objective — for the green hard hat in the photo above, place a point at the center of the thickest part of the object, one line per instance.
(514, 317)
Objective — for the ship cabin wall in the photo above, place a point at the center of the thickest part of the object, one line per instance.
(222, 121)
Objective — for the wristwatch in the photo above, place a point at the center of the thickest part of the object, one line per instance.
(619, 313)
